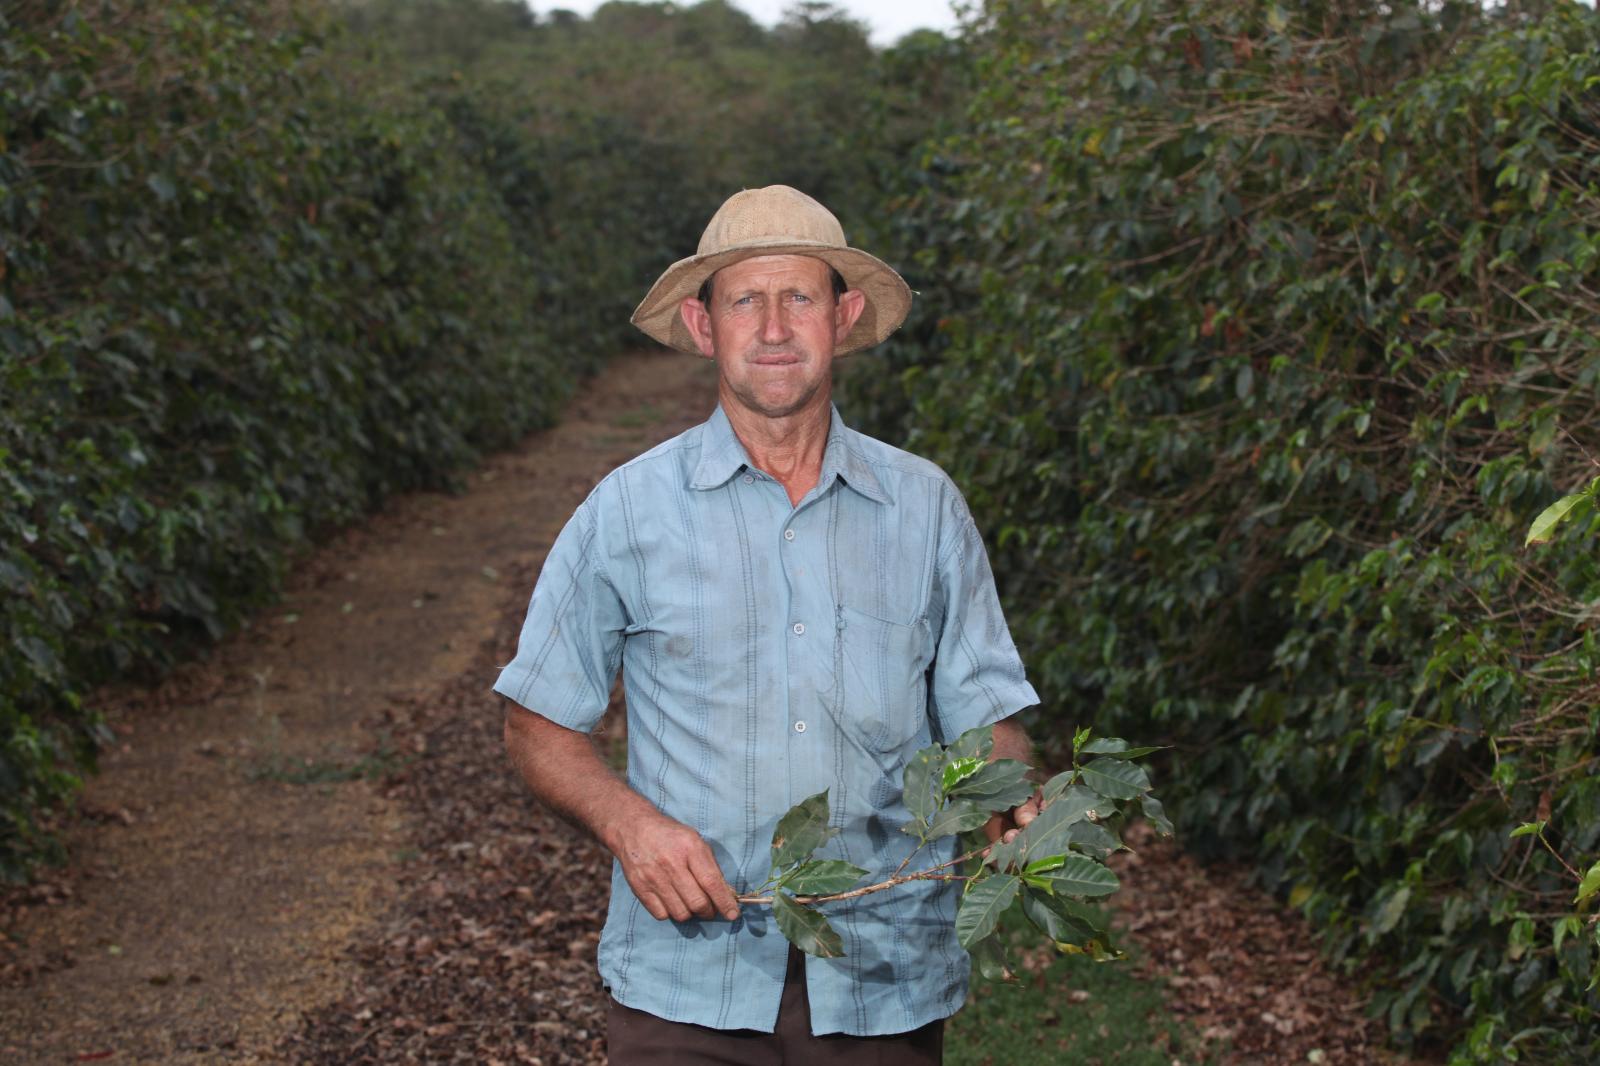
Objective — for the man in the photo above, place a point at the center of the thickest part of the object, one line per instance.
(795, 607)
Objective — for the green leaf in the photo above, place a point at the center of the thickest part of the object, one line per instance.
(918, 778)
(1543, 527)
(1116, 749)
(1590, 884)
(1049, 834)
(822, 878)
(806, 928)
(982, 907)
(1155, 814)
(958, 817)
(1058, 785)
(1065, 921)
(989, 955)
(1571, 925)
(972, 840)
(802, 831)
(999, 786)
(975, 743)
(1527, 829)
(1393, 909)
(958, 770)
(162, 186)
(1080, 875)
(1116, 779)
(1094, 839)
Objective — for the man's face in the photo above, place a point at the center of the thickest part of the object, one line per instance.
(772, 326)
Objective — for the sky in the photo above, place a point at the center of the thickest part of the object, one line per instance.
(889, 19)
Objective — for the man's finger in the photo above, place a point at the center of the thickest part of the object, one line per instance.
(698, 902)
(652, 903)
(654, 889)
(677, 910)
(703, 865)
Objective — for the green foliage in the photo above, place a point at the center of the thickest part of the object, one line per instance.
(1574, 508)
(802, 831)
(1269, 326)
(1052, 862)
(806, 929)
(239, 308)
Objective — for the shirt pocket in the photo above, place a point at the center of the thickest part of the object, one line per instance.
(881, 668)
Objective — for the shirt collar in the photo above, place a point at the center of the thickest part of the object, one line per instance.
(722, 456)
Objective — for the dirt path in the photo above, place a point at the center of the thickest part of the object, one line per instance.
(310, 849)
(237, 840)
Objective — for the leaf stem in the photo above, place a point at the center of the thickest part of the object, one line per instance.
(1551, 848)
(930, 874)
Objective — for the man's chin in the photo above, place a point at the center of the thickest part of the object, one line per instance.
(783, 406)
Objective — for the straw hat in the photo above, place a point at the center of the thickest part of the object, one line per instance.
(776, 220)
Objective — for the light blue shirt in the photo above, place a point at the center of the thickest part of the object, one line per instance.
(769, 652)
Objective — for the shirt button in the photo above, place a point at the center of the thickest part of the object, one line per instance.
(749, 480)
(788, 534)
(799, 629)
(799, 727)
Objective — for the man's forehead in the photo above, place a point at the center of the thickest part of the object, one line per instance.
(765, 268)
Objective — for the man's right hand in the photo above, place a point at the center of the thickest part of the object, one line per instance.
(668, 866)
(672, 871)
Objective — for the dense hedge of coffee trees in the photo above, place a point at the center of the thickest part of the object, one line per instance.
(237, 309)
(1270, 328)
(263, 264)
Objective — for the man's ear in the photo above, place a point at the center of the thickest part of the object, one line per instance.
(698, 320)
(846, 310)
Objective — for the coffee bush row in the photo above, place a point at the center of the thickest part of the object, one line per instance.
(1274, 330)
(243, 297)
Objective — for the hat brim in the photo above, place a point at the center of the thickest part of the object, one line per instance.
(888, 296)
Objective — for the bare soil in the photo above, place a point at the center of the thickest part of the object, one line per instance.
(309, 847)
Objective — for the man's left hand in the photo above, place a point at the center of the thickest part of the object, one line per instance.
(1011, 742)
(1007, 824)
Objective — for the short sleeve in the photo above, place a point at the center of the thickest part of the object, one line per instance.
(571, 641)
(977, 676)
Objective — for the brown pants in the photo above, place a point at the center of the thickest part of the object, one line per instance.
(635, 1038)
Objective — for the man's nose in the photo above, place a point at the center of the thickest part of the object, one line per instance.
(774, 323)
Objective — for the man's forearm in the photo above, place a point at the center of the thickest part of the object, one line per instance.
(1011, 741)
(563, 769)
(669, 867)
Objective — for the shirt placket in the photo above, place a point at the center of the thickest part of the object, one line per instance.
(798, 538)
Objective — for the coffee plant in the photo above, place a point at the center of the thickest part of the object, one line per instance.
(1046, 870)
(1271, 325)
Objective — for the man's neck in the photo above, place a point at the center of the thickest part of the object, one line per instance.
(789, 448)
